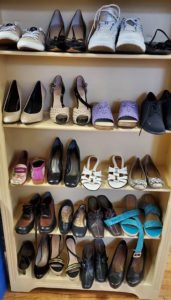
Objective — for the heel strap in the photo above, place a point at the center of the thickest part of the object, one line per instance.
(81, 99)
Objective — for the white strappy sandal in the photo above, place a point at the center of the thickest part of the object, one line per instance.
(91, 179)
(118, 173)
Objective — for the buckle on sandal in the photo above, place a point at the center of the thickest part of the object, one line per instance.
(137, 254)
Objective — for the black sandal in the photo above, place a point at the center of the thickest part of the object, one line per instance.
(160, 48)
(73, 268)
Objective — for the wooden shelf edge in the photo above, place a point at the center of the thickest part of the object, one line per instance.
(84, 55)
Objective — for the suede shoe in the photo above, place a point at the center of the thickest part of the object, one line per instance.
(151, 115)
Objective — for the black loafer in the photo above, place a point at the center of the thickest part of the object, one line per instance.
(25, 255)
(72, 170)
(54, 175)
(135, 272)
(117, 267)
(65, 216)
(166, 109)
(101, 267)
(79, 224)
(87, 272)
(151, 115)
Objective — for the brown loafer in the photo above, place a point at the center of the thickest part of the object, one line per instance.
(47, 220)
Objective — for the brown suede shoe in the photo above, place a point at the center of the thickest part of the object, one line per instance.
(95, 218)
(47, 220)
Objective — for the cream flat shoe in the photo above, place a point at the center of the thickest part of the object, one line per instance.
(33, 110)
(12, 104)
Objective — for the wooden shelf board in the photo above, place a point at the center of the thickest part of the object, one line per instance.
(84, 55)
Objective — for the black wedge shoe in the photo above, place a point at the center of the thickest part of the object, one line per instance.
(54, 174)
(72, 171)
(55, 38)
(76, 37)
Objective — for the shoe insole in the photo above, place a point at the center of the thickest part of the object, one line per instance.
(13, 102)
(77, 32)
(43, 253)
(55, 164)
(66, 213)
(80, 219)
(119, 261)
(71, 246)
(34, 104)
(137, 173)
(152, 171)
(74, 171)
(55, 243)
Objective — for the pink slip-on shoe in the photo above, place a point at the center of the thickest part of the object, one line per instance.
(38, 171)
(20, 169)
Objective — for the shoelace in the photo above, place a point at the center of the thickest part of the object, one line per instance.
(103, 25)
(131, 24)
(33, 34)
(8, 27)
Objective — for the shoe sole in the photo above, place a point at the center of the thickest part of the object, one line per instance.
(130, 47)
(127, 123)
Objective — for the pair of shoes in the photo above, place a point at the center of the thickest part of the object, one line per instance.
(68, 220)
(102, 116)
(91, 177)
(39, 211)
(94, 263)
(49, 256)
(21, 168)
(33, 109)
(32, 39)
(109, 34)
(73, 41)
(59, 113)
(56, 262)
(72, 167)
(25, 256)
(117, 269)
(130, 221)
(156, 114)
(145, 173)
(159, 48)
(100, 209)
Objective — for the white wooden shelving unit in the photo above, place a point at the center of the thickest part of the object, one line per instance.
(109, 77)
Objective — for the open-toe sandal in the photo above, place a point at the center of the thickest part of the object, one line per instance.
(73, 268)
(56, 263)
(59, 113)
(102, 117)
(81, 113)
(91, 178)
(152, 225)
(130, 223)
(117, 174)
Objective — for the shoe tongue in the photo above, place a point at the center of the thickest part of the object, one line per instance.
(130, 22)
(33, 29)
(107, 16)
(9, 24)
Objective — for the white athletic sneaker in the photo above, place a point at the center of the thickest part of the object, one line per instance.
(131, 39)
(32, 39)
(10, 33)
(102, 37)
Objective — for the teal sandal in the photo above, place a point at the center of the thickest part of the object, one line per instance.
(152, 225)
(131, 225)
